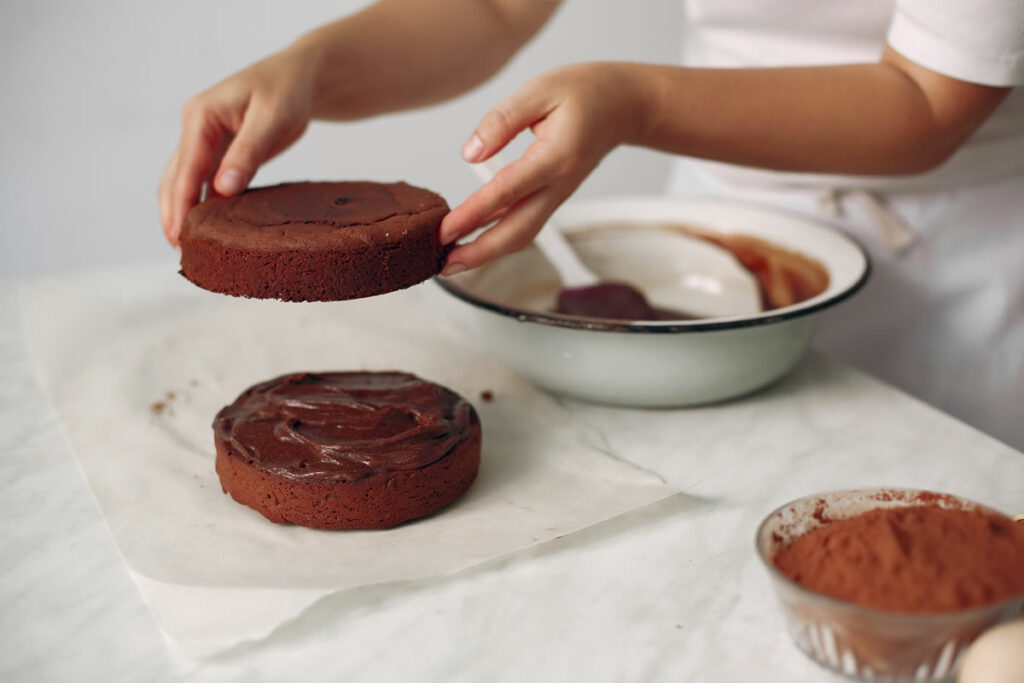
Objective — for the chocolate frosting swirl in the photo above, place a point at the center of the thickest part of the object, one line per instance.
(343, 426)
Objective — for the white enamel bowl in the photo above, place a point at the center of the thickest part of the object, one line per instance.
(505, 306)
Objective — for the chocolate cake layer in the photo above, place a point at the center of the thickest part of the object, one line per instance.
(314, 241)
(346, 450)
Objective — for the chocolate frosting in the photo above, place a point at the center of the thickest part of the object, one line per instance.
(309, 214)
(343, 426)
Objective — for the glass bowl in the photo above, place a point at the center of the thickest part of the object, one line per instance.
(866, 643)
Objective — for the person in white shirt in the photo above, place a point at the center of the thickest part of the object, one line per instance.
(896, 118)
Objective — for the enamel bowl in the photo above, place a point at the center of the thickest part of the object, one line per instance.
(506, 305)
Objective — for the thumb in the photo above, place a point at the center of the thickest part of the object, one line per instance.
(253, 145)
(501, 124)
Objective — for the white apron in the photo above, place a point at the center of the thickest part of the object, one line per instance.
(943, 314)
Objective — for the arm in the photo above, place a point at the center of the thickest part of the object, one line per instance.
(893, 117)
(396, 54)
(890, 118)
(401, 54)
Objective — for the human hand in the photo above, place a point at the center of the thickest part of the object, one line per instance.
(231, 129)
(578, 114)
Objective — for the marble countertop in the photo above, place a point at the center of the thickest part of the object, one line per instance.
(673, 592)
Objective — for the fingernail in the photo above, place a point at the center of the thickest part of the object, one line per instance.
(454, 269)
(231, 182)
(448, 238)
(473, 147)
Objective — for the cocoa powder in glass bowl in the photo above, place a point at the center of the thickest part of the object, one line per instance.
(892, 584)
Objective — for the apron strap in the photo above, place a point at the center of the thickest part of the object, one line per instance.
(896, 235)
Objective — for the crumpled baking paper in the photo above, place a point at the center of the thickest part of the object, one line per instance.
(137, 362)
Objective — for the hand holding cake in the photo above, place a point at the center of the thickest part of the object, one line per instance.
(232, 129)
(578, 114)
(392, 56)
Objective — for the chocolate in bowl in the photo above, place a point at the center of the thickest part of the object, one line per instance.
(922, 643)
(785, 277)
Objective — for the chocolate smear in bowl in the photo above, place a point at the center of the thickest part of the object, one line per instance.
(785, 277)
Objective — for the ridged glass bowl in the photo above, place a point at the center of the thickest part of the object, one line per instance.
(861, 642)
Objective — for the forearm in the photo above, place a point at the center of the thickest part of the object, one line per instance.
(888, 118)
(858, 119)
(401, 54)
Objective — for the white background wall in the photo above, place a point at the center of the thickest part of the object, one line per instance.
(91, 94)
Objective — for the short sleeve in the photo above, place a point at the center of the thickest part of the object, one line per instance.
(980, 41)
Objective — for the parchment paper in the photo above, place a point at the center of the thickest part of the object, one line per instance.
(137, 362)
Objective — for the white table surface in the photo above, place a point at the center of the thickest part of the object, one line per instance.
(674, 592)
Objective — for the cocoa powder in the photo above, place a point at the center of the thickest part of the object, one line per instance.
(921, 558)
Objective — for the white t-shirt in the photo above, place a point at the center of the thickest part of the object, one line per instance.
(944, 318)
(981, 41)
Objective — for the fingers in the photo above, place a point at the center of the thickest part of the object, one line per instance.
(505, 121)
(264, 132)
(210, 149)
(519, 179)
(164, 195)
(192, 164)
(512, 233)
(231, 129)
